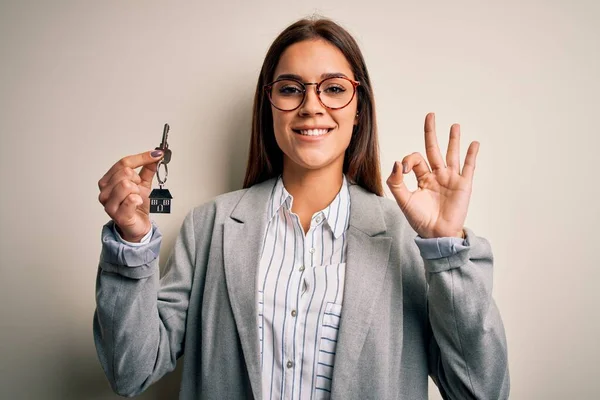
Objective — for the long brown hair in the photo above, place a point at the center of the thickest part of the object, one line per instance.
(361, 160)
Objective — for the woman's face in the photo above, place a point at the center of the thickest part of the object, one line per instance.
(304, 148)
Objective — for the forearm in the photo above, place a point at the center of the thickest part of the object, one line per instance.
(469, 354)
(138, 328)
(127, 330)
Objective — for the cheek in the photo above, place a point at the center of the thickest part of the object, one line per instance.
(280, 120)
(279, 129)
(346, 120)
(347, 115)
(277, 124)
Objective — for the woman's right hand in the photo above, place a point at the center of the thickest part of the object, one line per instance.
(125, 194)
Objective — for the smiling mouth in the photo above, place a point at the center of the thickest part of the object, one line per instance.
(312, 132)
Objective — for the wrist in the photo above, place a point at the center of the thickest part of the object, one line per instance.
(457, 234)
(131, 239)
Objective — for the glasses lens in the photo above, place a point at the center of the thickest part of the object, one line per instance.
(336, 92)
(287, 94)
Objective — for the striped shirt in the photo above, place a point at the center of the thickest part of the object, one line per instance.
(300, 293)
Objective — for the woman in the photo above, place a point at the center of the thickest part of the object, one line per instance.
(307, 283)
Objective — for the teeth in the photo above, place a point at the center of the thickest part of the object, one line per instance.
(313, 132)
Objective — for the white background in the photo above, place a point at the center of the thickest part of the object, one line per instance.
(83, 84)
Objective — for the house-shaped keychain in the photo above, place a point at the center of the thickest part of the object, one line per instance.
(160, 201)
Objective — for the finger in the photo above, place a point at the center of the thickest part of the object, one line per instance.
(471, 157)
(147, 173)
(415, 162)
(122, 174)
(431, 144)
(397, 186)
(125, 215)
(134, 161)
(453, 153)
(145, 192)
(123, 189)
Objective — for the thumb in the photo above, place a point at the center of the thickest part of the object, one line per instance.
(396, 184)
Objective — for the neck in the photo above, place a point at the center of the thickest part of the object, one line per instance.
(313, 190)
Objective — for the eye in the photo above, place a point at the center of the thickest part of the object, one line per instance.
(334, 89)
(287, 88)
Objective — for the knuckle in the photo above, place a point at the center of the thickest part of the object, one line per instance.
(125, 185)
(126, 203)
(412, 158)
(122, 163)
(131, 199)
(134, 176)
(129, 172)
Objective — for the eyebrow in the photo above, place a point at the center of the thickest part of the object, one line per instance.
(323, 76)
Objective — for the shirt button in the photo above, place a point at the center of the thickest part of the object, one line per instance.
(301, 268)
(290, 364)
(318, 219)
(311, 251)
(293, 313)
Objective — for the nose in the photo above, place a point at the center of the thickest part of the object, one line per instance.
(311, 104)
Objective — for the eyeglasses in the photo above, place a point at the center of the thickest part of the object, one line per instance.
(334, 93)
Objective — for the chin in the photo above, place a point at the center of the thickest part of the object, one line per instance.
(314, 163)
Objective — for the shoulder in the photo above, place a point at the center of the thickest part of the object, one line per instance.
(393, 216)
(249, 201)
(377, 208)
(222, 204)
(389, 207)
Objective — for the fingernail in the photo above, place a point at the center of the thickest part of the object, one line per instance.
(404, 168)
(156, 153)
(395, 169)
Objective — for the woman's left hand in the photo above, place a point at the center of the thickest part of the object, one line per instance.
(438, 207)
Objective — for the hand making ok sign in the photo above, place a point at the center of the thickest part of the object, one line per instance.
(438, 207)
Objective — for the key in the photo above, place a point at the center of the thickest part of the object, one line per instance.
(164, 146)
(161, 199)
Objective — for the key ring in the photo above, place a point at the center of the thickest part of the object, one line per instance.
(161, 182)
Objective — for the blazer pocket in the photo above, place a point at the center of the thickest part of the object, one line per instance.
(327, 346)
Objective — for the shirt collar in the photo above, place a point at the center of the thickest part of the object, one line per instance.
(336, 214)
(279, 197)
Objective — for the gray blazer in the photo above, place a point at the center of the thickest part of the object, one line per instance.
(403, 317)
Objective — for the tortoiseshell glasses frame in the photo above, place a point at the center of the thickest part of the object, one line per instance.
(268, 88)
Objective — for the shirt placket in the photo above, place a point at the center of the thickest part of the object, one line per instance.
(310, 251)
(294, 297)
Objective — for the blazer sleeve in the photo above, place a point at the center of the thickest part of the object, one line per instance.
(468, 351)
(140, 318)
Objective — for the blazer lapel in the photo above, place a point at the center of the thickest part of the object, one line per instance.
(242, 241)
(366, 266)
